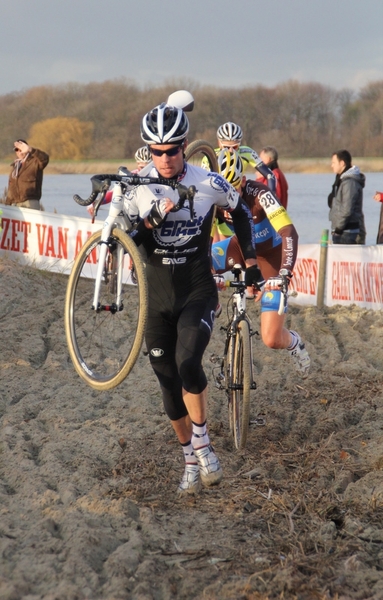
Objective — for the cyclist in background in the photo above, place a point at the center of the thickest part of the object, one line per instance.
(182, 291)
(142, 158)
(229, 135)
(276, 245)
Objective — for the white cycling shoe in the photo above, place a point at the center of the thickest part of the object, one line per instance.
(209, 467)
(191, 481)
(300, 357)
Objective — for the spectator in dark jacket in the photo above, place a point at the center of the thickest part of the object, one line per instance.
(346, 201)
(26, 178)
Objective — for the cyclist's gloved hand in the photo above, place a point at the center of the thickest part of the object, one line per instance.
(253, 276)
(219, 281)
(286, 275)
(158, 213)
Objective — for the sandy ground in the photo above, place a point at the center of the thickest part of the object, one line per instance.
(87, 479)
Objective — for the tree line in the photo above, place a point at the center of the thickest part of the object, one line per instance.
(102, 120)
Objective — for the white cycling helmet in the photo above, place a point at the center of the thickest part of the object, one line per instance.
(229, 132)
(230, 166)
(164, 124)
(143, 155)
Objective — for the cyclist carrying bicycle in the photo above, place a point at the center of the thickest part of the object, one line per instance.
(276, 244)
(182, 292)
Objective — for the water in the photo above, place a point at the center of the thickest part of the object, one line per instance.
(307, 200)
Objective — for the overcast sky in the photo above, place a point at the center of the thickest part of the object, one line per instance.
(227, 43)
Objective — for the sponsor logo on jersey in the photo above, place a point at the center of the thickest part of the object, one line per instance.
(218, 183)
(157, 352)
(178, 232)
(174, 261)
(269, 295)
(252, 188)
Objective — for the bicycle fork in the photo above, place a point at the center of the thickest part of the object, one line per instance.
(116, 262)
(220, 378)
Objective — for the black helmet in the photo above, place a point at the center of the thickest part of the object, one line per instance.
(164, 124)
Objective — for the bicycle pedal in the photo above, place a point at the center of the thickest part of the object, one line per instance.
(215, 359)
(259, 421)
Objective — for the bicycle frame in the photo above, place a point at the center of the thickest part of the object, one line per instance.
(118, 218)
(115, 218)
(239, 314)
(104, 337)
(236, 366)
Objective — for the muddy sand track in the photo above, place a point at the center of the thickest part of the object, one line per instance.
(87, 479)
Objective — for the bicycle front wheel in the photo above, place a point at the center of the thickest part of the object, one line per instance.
(104, 341)
(239, 387)
(201, 153)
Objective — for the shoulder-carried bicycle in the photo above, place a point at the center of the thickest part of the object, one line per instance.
(199, 151)
(106, 302)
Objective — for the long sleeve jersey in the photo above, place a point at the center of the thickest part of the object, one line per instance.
(184, 236)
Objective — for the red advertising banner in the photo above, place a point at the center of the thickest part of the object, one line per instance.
(353, 274)
(47, 240)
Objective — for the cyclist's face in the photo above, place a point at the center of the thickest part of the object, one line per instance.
(228, 145)
(168, 166)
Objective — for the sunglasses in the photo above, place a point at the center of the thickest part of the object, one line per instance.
(171, 152)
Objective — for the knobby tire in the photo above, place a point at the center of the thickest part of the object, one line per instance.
(199, 149)
(239, 396)
(104, 346)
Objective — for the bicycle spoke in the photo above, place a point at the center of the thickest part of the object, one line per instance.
(104, 341)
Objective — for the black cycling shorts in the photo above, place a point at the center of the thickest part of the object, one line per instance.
(180, 323)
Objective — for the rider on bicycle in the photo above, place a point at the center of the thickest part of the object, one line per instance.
(229, 136)
(276, 244)
(182, 292)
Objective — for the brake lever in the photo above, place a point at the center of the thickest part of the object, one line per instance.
(184, 194)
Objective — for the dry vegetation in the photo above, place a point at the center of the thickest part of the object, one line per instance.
(302, 120)
(288, 165)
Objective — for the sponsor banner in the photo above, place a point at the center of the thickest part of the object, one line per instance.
(355, 276)
(46, 240)
(305, 280)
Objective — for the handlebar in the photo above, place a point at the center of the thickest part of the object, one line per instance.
(102, 182)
